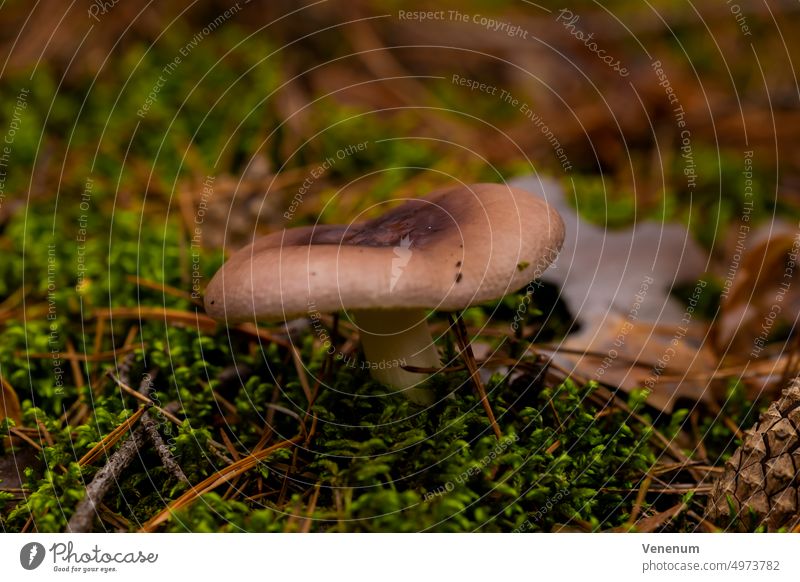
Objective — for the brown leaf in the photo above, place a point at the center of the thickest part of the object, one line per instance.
(616, 283)
(761, 289)
(670, 361)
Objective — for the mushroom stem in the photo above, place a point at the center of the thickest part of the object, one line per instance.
(393, 338)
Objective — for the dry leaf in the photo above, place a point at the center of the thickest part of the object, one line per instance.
(617, 285)
(599, 269)
(761, 289)
(670, 362)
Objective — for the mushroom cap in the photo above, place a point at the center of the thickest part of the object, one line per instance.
(451, 249)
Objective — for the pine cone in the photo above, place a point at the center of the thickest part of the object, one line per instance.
(761, 484)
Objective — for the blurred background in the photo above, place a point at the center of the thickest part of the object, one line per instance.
(268, 89)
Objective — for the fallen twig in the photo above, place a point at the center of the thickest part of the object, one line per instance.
(89, 507)
(81, 521)
(167, 459)
(151, 431)
(216, 448)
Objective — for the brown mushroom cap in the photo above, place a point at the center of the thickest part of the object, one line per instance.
(451, 249)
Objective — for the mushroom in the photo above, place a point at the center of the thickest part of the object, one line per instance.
(451, 249)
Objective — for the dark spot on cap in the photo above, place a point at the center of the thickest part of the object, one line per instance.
(213, 301)
(416, 220)
(458, 277)
(458, 264)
